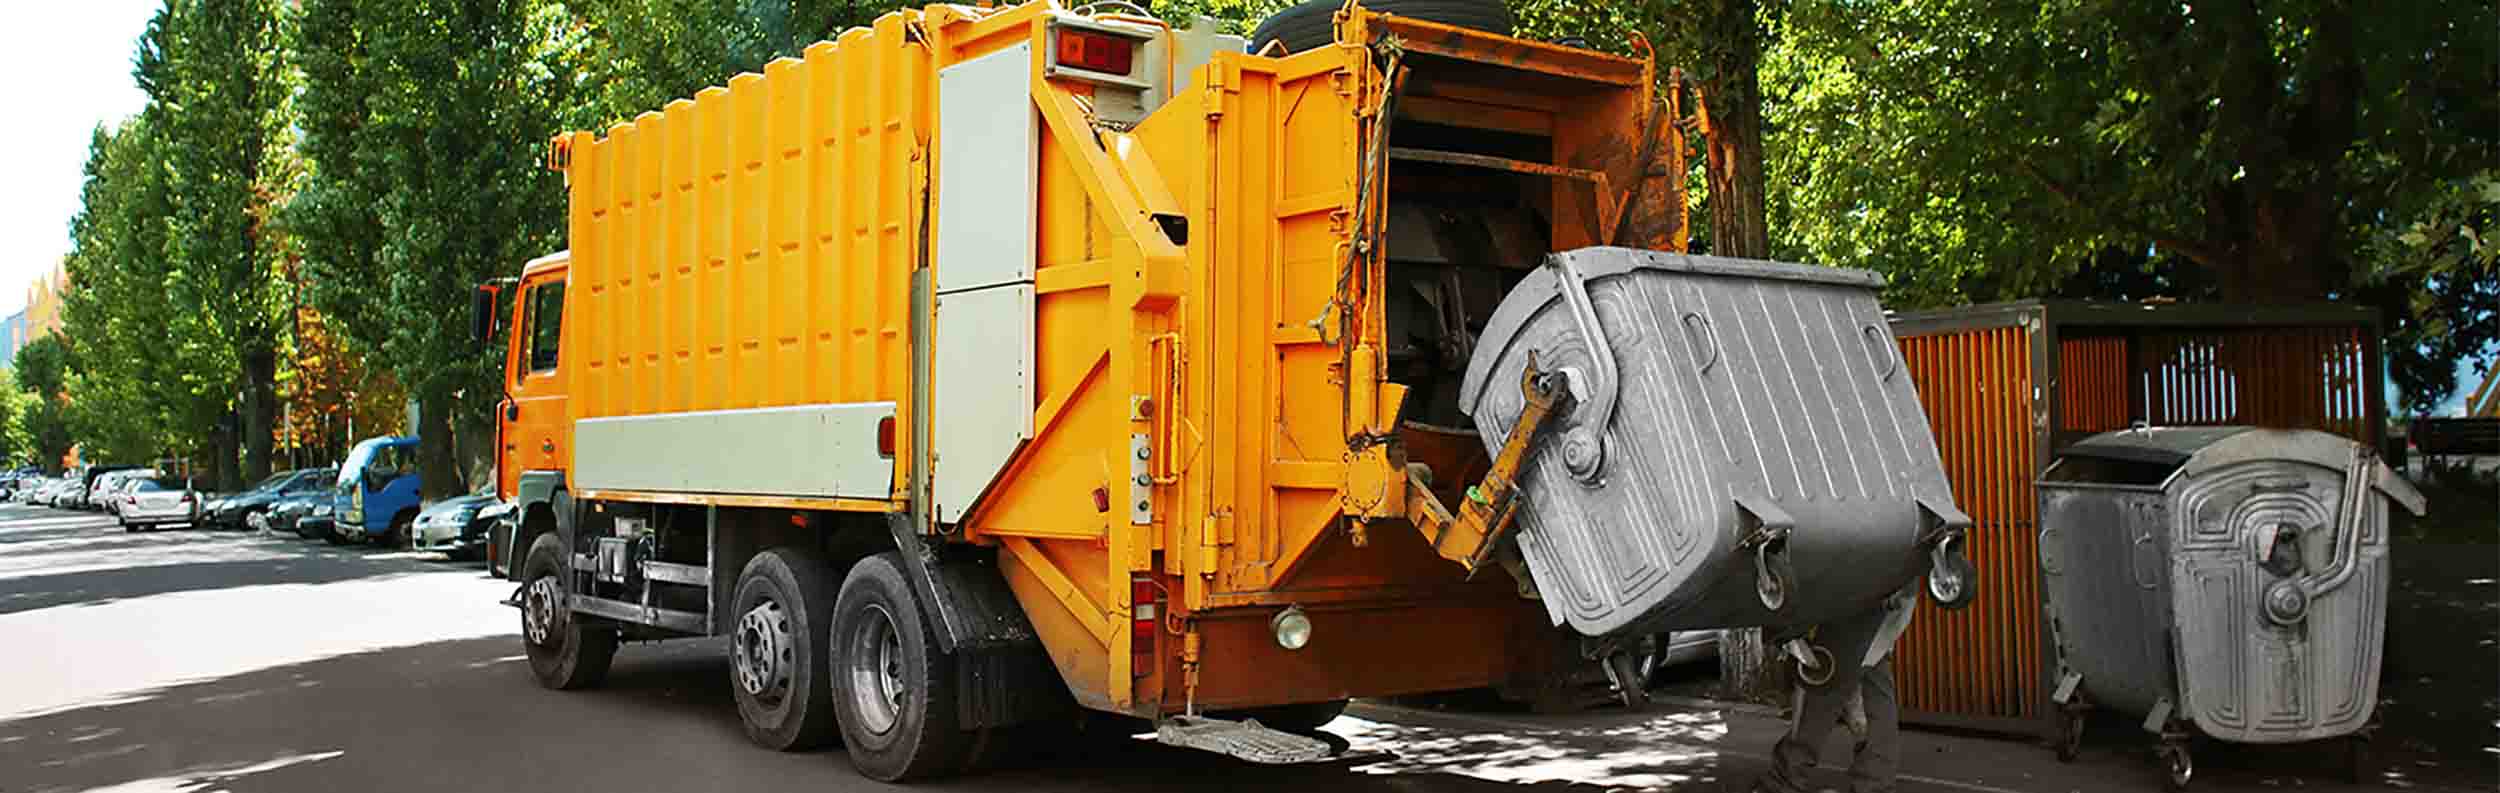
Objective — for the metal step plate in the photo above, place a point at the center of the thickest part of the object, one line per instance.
(1245, 740)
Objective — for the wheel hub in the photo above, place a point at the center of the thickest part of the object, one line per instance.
(875, 666)
(539, 614)
(763, 651)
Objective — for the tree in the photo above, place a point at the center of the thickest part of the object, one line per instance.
(1989, 149)
(16, 446)
(214, 71)
(47, 432)
(653, 51)
(41, 364)
(424, 127)
(2449, 270)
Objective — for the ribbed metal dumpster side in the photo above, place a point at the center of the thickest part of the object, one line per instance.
(1760, 425)
(2006, 385)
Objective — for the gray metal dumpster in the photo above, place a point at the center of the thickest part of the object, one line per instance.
(1743, 447)
(2223, 581)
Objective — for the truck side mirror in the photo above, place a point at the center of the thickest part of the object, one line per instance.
(482, 314)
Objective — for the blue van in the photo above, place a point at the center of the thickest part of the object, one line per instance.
(377, 491)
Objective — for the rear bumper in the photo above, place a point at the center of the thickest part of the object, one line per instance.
(143, 517)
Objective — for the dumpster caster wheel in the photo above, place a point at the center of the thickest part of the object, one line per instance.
(1952, 580)
(2070, 736)
(2362, 767)
(2179, 769)
(1814, 663)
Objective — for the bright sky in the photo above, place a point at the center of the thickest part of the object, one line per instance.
(73, 64)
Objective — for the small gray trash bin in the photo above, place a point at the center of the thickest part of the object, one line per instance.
(2223, 581)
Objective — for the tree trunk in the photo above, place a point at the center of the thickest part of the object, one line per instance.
(437, 459)
(260, 412)
(221, 472)
(476, 432)
(1749, 670)
(1739, 224)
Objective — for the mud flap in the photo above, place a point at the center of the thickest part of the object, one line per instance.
(1003, 675)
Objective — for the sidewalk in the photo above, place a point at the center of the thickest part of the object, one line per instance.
(1704, 746)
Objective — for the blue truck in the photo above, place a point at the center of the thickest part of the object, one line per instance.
(376, 499)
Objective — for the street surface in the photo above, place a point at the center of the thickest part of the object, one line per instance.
(196, 661)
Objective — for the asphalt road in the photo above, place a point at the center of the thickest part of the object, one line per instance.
(203, 661)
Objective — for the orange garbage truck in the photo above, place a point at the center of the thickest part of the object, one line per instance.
(987, 367)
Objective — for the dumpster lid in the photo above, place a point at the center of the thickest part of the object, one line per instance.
(1543, 286)
(2171, 446)
(2194, 450)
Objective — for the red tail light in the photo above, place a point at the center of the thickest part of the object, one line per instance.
(1145, 623)
(885, 437)
(1095, 52)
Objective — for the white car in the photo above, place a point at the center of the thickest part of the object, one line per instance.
(110, 486)
(153, 501)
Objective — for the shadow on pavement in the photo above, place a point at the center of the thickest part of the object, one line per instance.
(2439, 698)
(464, 715)
(92, 587)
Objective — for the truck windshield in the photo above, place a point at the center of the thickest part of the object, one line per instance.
(358, 458)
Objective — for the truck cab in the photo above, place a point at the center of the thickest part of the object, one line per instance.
(376, 495)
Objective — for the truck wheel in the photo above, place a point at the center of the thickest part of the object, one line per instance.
(1313, 24)
(894, 688)
(565, 653)
(1303, 718)
(777, 659)
(398, 537)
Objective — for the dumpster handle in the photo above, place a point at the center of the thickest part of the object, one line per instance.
(1693, 320)
(1584, 446)
(2287, 602)
(1878, 339)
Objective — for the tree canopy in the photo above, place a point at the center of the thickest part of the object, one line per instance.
(290, 227)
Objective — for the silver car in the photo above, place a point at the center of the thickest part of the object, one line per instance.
(156, 501)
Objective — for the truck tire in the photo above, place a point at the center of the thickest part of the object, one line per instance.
(399, 537)
(565, 653)
(1313, 24)
(895, 689)
(778, 662)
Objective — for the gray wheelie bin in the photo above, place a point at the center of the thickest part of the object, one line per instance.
(2228, 582)
(1743, 446)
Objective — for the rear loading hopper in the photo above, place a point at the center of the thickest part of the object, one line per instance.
(1737, 444)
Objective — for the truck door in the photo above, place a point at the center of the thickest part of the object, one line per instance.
(533, 424)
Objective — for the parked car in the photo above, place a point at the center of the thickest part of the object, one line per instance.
(250, 508)
(288, 513)
(455, 526)
(376, 499)
(88, 495)
(156, 501)
(109, 487)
